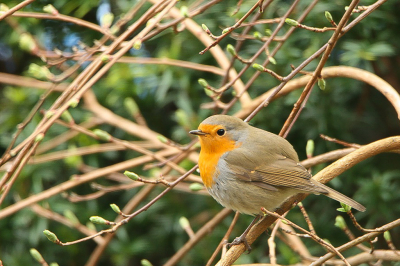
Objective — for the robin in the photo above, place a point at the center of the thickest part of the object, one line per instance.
(245, 168)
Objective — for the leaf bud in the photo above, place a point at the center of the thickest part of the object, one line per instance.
(27, 43)
(131, 175)
(137, 45)
(39, 137)
(50, 9)
(145, 262)
(184, 222)
(292, 22)
(196, 187)
(36, 255)
(231, 49)
(101, 134)
(310, 148)
(340, 222)
(39, 72)
(131, 106)
(106, 20)
(184, 11)
(203, 83)
(115, 208)
(322, 84)
(387, 236)
(98, 220)
(67, 117)
(258, 67)
(51, 236)
(272, 60)
(257, 35)
(328, 16)
(162, 139)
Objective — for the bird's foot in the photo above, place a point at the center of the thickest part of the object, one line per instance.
(239, 240)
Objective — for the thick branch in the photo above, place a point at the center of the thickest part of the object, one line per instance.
(325, 175)
(331, 72)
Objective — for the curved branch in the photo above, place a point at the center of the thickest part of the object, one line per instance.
(365, 257)
(332, 72)
(325, 175)
(81, 179)
(65, 18)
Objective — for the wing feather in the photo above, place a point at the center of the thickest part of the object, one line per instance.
(278, 171)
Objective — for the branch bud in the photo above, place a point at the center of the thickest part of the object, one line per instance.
(105, 58)
(387, 236)
(73, 102)
(310, 148)
(257, 35)
(203, 83)
(39, 72)
(345, 208)
(98, 220)
(321, 84)
(328, 16)
(50, 9)
(196, 187)
(106, 20)
(39, 137)
(292, 22)
(131, 175)
(102, 135)
(205, 28)
(145, 262)
(115, 208)
(225, 30)
(131, 106)
(340, 222)
(272, 60)
(4, 7)
(259, 67)
(231, 49)
(162, 139)
(36, 255)
(27, 43)
(268, 32)
(67, 117)
(184, 222)
(51, 236)
(137, 45)
(184, 11)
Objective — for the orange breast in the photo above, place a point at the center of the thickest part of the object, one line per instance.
(211, 151)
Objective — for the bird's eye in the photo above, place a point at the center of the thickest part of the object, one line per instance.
(221, 132)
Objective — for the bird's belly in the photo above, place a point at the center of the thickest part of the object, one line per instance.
(245, 197)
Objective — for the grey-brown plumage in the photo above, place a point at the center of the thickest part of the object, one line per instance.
(266, 162)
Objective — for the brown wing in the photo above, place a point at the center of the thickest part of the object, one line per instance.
(277, 171)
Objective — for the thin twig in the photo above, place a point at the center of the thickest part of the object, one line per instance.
(313, 236)
(224, 240)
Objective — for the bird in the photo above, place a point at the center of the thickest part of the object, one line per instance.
(245, 168)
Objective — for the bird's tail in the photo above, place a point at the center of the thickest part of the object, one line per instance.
(333, 194)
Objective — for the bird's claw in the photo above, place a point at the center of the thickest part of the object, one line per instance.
(238, 241)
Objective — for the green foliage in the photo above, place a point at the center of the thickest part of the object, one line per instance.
(170, 97)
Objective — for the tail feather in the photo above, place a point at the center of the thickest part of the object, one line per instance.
(333, 194)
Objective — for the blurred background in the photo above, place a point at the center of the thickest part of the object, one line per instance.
(171, 102)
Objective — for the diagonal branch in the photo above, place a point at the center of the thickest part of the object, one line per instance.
(325, 175)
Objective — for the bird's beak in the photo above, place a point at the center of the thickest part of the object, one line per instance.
(197, 132)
